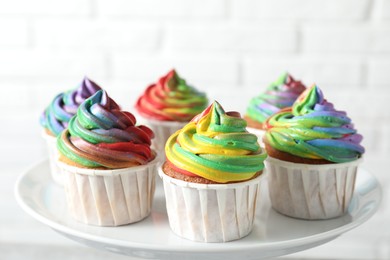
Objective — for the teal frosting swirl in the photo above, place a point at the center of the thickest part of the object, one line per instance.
(312, 128)
(280, 94)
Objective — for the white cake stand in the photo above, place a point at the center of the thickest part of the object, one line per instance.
(273, 233)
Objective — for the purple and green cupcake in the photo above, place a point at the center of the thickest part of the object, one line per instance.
(57, 115)
(314, 152)
(280, 94)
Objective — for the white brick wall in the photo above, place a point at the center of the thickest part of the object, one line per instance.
(14, 36)
(311, 10)
(384, 6)
(344, 39)
(100, 35)
(203, 71)
(227, 47)
(326, 71)
(230, 48)
(46, 8)
(225, 37)
(378, 73)
(168, 9)
(49, 63)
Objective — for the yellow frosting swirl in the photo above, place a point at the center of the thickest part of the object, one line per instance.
(216, 146)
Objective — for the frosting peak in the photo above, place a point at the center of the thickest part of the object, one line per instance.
(214, 120)
(64, 106)
(86, 89)
(307, 101)
(216, 146)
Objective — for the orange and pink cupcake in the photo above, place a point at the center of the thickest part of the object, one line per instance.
(168, 105)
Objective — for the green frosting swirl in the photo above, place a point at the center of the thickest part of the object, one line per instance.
(313, 129)
(280, 94)
(216, 146)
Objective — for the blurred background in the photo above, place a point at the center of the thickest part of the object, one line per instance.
(232, 49)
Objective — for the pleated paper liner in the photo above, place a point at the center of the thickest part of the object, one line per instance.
(55, 171)
(309, 191)
(110, 197)
(211, 212)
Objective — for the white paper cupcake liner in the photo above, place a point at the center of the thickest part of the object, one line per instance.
(109, 197)
(55, 171)
(162, 131)
(211, 212)
(259, 133)
(308, 191)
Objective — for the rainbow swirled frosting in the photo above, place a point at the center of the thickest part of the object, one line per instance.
(64, 106)
(216, 146)
(280, 94)
(171, 99)
(312, 128)
(101, 135)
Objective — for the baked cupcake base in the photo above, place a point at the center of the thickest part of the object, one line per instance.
(291, 158)
(109, 197)
(311, 191)
(253, 123)
(168, 170)
(211, 212)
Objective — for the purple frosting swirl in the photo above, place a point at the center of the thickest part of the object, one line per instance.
(64, 106)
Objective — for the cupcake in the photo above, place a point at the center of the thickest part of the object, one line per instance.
(280, 94)
(314, 152)
(168, 105)
(56, 116)
(108, 166)
(212, 176)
